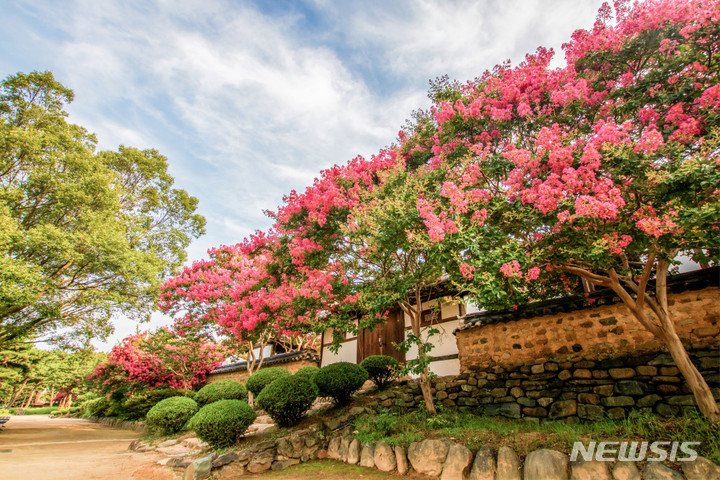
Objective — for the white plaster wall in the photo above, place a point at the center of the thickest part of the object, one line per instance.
(446, 367)
(347, 353)
(267, 352)
(444, 342)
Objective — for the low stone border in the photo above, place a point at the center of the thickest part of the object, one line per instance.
(434, 458)
(117, 423)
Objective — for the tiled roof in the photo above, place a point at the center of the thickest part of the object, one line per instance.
(695, 280)
(272, 360)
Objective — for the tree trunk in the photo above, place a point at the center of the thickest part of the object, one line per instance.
(695, 381)
(30, 399)
(17, 392)
(415, 314)
(659, 322)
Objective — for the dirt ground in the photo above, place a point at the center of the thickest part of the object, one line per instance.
(38, 447)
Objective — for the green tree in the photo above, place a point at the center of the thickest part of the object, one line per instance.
(392, 261)
(83, 234)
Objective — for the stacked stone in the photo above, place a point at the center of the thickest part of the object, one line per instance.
(447, 460)
(577, 390)
(436, 458)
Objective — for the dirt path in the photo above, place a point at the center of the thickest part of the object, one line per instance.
(41, 448)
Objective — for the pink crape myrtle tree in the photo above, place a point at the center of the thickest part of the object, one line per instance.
(174, 356)
(254, 292)
(604, 169)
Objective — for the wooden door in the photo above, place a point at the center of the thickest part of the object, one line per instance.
(382, 340)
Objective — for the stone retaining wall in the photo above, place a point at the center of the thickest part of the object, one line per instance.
(122, 424)
(435, 458)
(573, 390)
(587, 333)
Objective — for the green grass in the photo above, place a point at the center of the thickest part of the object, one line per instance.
(328, 470)
(34, 411)
(523, 436)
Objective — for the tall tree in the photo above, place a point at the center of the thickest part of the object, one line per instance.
(177, 357)
(250, 294)
(82, 234)
(605, 169)
(391, 260)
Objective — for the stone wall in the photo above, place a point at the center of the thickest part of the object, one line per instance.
(242, 375)
(591, 334)
(431, 458)
(573, 389)
(577, 363)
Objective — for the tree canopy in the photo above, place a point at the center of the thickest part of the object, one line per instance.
(83, 234)
(515, 184)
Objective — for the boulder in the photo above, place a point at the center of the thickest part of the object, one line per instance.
(367, 455)
(508, 465)
(344, 447)
(484, 465)
(457, 463)
(263, 420)
(224, 459)
(178, 462)
(260, 463)
(283, 464)
(625, 471)
(139, 446)
(592, 470)
(401, 460)
(384, 457)
(353, 455)
(701, 469)
(545, 464)
(194, 442)
(199, 468)
(178, 450)
(168, 443)
(563, 408)
(427, 457)
(230, 472)
(658, 471)
(284, 447)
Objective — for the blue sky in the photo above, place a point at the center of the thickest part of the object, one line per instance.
(250, 100)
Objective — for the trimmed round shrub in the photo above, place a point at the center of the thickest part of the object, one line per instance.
(308, 372)
(287, 399)
(220, 390)
(170, 415)
(381, 369)
(263, 378)
(137, 405)
(222, 422)
(340, 380)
